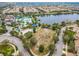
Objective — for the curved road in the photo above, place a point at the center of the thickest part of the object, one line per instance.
(15, 41)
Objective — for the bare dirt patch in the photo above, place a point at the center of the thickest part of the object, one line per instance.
(44, 37)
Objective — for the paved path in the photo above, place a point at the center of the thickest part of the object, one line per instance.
(59, 44)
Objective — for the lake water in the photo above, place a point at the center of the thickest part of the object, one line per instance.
(47, 3)
(58, 18)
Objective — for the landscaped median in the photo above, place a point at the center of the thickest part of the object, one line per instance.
(8, 49)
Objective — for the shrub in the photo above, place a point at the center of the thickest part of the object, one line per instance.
(68, 36)
(28, 35)
(51, 48)
(14, 33)
(41, 48)
(45, 25)
(56, 26)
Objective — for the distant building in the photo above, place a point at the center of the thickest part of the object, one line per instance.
(23, 22)
(9, 19)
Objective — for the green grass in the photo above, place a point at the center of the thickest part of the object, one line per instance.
(69, 39)
(6, 49)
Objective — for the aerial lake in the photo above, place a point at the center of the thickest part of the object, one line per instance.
(50, 19)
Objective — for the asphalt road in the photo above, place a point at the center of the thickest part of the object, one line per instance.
(15, 41)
